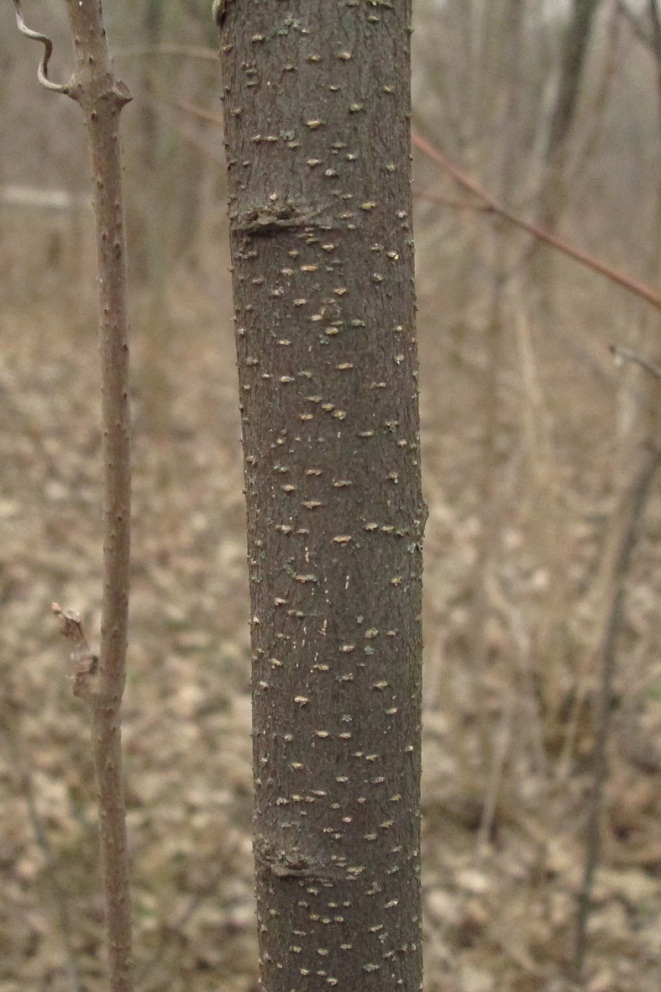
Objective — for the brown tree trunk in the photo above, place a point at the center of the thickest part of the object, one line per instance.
(317, 97)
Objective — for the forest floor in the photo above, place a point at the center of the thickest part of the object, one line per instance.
(506, 740)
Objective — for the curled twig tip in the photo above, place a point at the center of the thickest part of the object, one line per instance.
(42, 71)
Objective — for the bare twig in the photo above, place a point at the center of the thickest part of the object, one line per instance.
(446, 201)
(635, 23)
(101, 97)
(42, 71)
(200, 112)
(491, 205)
(499, 756)
(626, 355)
(636, 501)
(655, 17)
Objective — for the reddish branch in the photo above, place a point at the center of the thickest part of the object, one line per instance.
(490, 205)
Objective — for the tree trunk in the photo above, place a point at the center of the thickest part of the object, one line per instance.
(317, 99)
(578, 33)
